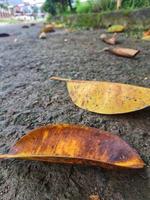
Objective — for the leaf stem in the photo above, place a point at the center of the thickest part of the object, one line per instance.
(104, 49)
(59, 78)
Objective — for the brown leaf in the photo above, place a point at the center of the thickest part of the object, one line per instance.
(25, 26)
(48, 28)
(74, 144)
(33, 24)
(106, 39)
(146, 33)
(94, 197)
(123, 52)
(4, 35)
(107, 97)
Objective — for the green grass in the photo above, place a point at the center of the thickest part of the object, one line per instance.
(9, 21)
(84, 7)
(109, 5)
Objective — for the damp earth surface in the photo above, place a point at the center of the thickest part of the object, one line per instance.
(29, 99)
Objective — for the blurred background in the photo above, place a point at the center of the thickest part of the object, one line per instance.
(39, 9)
(21, 9)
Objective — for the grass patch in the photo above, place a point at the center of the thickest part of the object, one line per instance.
(9, 21)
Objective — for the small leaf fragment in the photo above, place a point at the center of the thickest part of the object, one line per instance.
(74, 144)
(146, 33)
(94, 197)
(147, 38)
(107, 97)
(33, 24)
(25, 26)
(109, 40)
(58, 25)
(42, 35)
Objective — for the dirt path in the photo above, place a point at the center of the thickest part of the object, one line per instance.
(29, 99)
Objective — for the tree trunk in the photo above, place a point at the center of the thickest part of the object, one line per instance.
(119, 2)
(70, 5)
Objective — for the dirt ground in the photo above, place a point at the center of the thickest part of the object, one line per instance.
(28, 99)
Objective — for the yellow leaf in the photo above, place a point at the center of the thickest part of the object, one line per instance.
(147, 38)
(107, 97)
(58, 25)
(116, 29)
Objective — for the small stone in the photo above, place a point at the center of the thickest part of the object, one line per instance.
(42, 36)
(15, 40)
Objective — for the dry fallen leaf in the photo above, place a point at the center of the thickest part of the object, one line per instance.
(94, 197)
(25, 26)
(123, 52)
(70, 30)
(106, 39)
(58, 25)
(48, 28)
(116, 29)
(146, 33)
(107, 97)
(74, 144)
(4, 35)
(33, 24)
(147, 38)
(42, 35)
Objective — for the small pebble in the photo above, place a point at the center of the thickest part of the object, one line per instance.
(15, 40)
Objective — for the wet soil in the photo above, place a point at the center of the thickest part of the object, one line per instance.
(28, 99)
